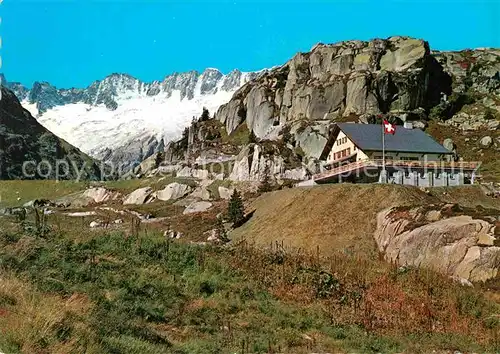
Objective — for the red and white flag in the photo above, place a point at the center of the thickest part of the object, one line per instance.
(389, 128)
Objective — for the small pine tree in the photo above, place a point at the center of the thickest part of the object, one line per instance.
(205, 115)
(235, 208)
(265, 184)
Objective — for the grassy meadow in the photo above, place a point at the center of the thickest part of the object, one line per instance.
(68, 290)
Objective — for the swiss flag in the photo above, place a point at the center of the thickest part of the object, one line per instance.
(389, 128)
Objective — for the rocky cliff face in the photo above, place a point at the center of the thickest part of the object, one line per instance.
(335, 81)
(477, 70)
(28, 150)
(399, 77)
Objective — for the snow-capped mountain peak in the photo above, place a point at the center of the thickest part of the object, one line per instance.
(123, 120)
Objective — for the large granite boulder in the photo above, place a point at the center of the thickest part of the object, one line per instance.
(456, 245)
(311, 139)
(225, 193)
(173, 191)
(98, 194)
(404, 54)
(140, 196)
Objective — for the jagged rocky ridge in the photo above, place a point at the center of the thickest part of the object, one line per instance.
(123, 120)
(294, 105)
(23, 139)
(116, 87)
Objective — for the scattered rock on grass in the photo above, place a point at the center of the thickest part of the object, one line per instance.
(486, 141)
(97, 194)
(139, 196)
(95, 224)
(81, 213)
(173, 191)
(213, 236)
(172, 234)
(197, 207)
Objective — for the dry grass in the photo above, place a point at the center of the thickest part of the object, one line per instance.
(384, 299)
(467, 196)
(30, 320)
(329, 218)
(340, 217)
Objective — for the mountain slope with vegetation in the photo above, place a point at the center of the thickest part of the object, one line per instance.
(23, 139)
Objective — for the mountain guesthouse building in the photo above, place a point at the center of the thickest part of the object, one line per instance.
(366, 153)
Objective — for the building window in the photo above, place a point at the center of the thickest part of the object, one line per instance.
(348, 151)
(341, 141)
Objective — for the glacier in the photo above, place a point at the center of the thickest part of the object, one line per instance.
(121, 120)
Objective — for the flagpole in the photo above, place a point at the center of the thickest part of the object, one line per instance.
(383, 153)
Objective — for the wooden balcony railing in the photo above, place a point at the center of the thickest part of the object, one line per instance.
(431, 165)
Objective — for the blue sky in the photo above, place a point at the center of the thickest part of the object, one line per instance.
(71, 43)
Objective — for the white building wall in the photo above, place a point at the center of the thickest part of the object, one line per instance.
(339, 146)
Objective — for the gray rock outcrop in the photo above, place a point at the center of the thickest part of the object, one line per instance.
(459, 246)
(98, 194)
(355, 81)
(197, 207)
(250, 165)
(343, 79)
(139, 196)
(173, 191)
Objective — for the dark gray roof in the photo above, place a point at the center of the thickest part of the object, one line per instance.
(369, 137)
